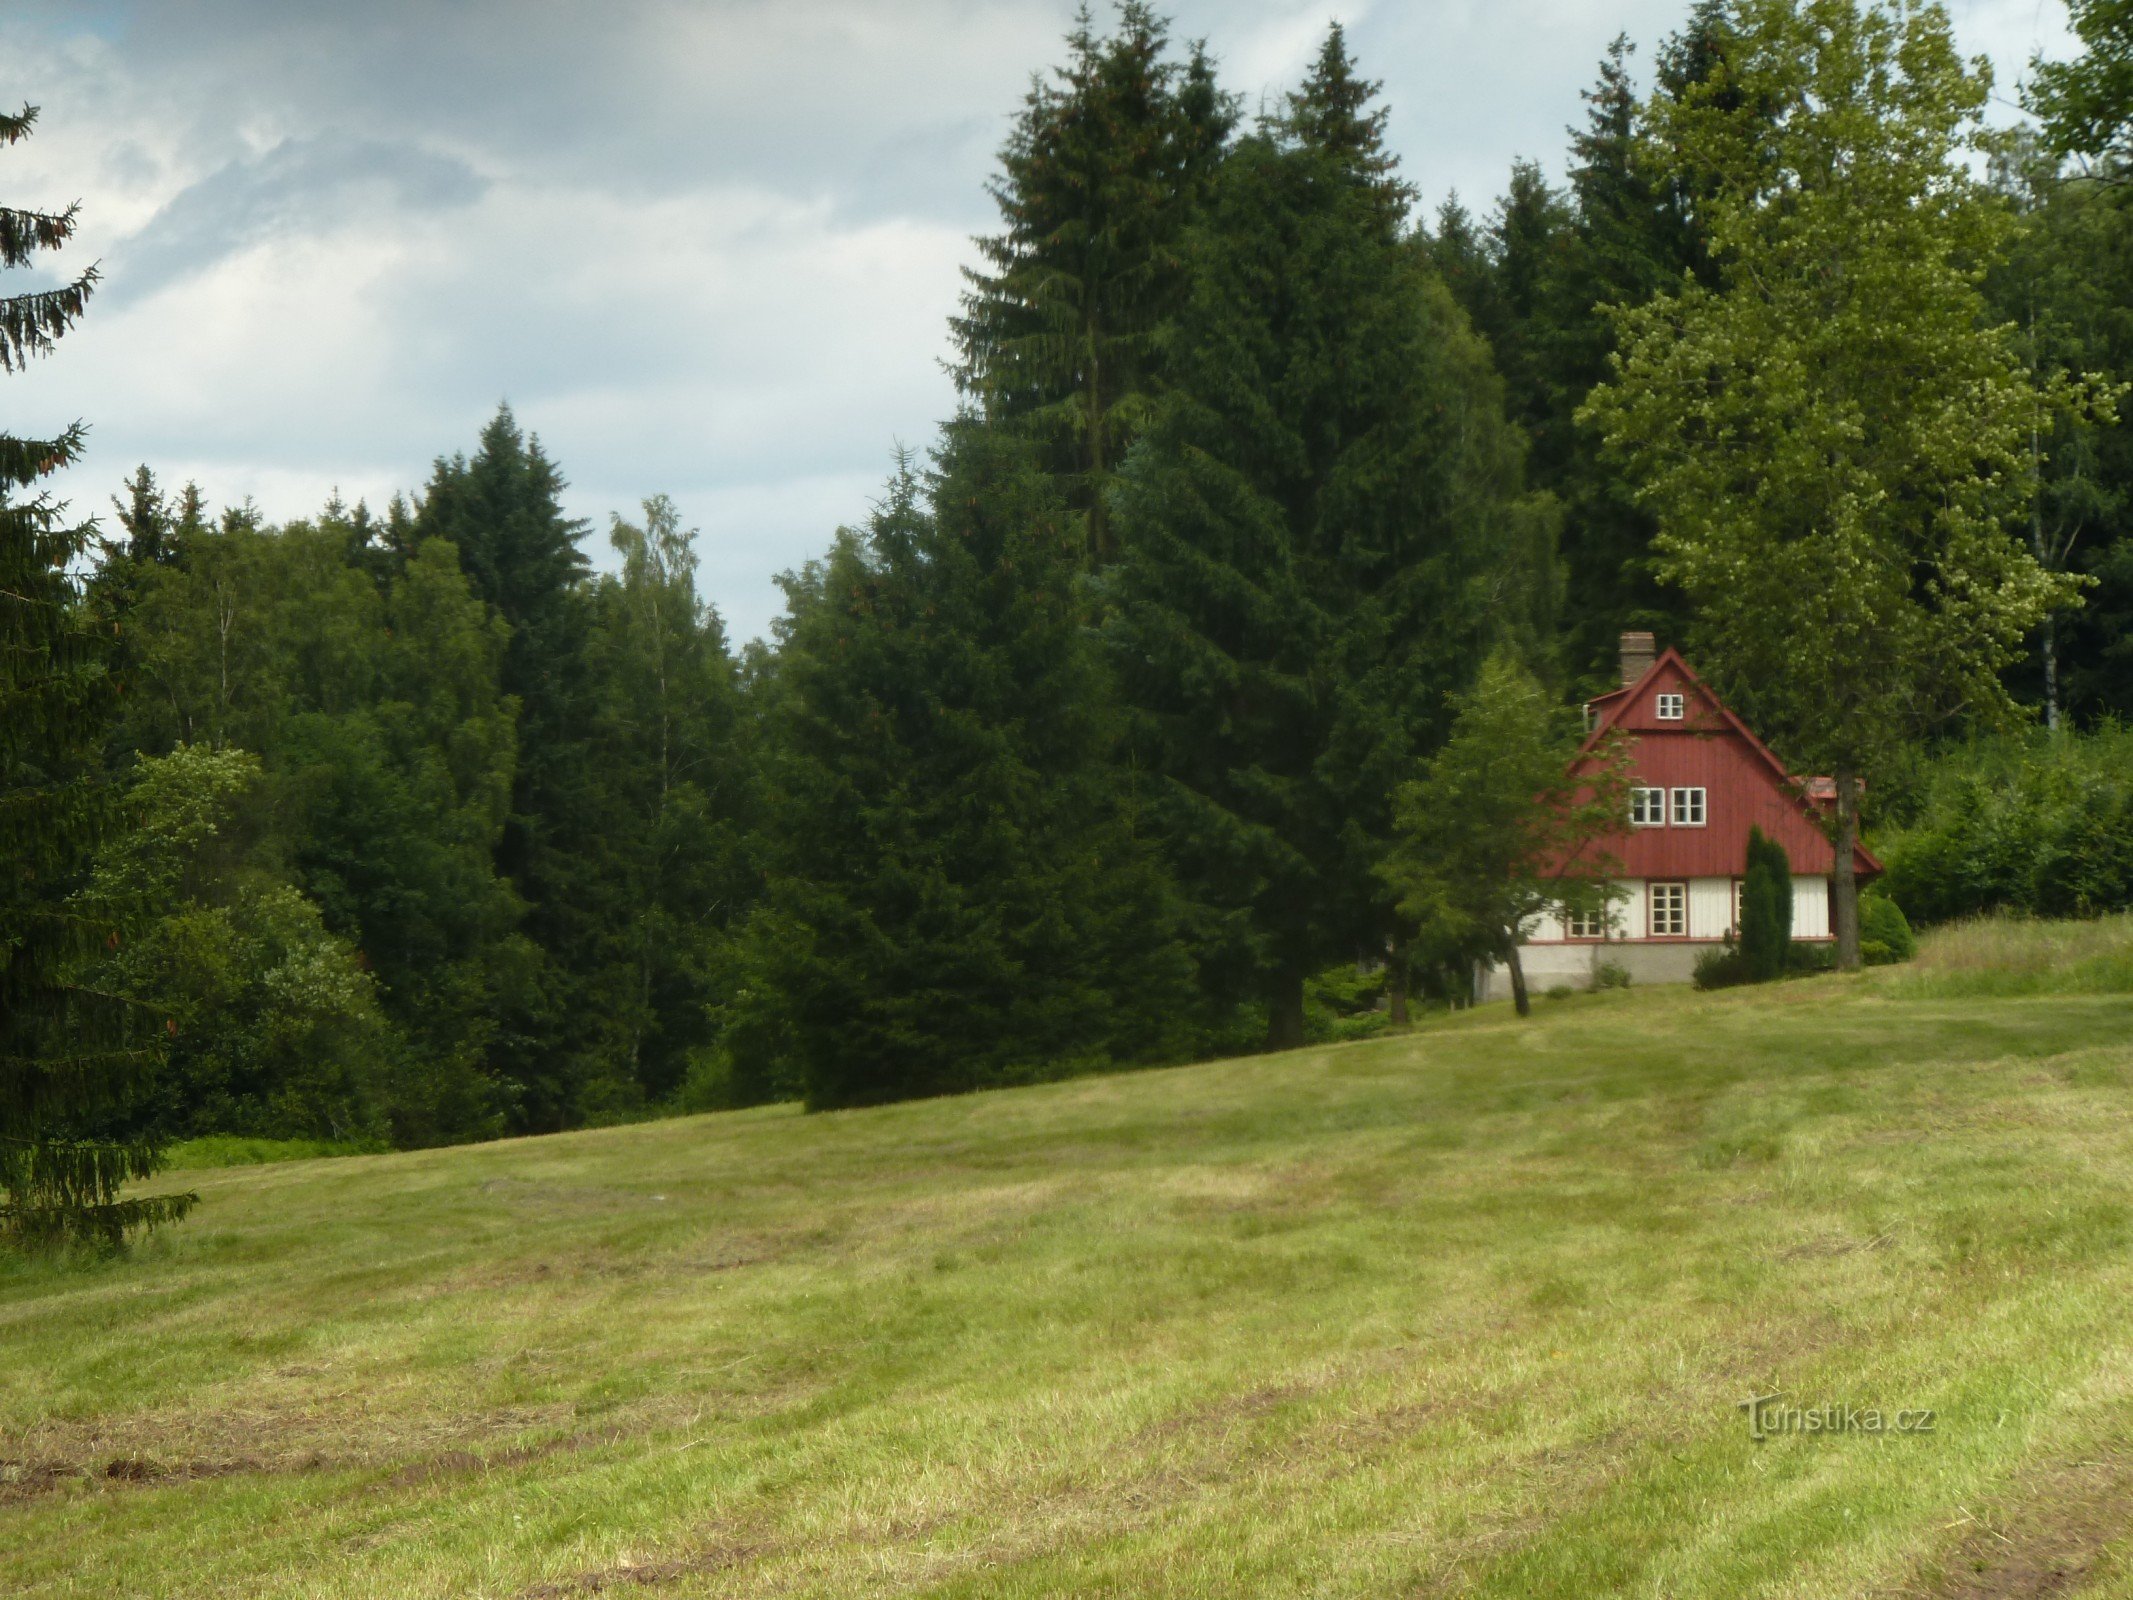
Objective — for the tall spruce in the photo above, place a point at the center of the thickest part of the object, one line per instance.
(70, 1057)
(959, 896)
(1320, 530)
(1063, 331)
(502, 510)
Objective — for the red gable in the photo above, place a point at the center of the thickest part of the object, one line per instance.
(1708, 747)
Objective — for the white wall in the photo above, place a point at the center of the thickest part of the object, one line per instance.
(1630, 911)
(1710, 907)
(1810, 908)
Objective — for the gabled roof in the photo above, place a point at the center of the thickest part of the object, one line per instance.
(1803, 792)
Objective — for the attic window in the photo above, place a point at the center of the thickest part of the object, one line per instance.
(1670, 708)
(1647, 808)
(1688, 808)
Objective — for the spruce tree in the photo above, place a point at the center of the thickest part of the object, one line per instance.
(69, 1057)
(1063, 330)
(959, 896)
(502, 511)
(1320, 531)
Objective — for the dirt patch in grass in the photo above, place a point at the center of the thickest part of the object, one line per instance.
(27, 1480)
(647, 1574)
(23, 1480)
(2051, 1542)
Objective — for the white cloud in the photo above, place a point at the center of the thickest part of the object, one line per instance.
(703, 248)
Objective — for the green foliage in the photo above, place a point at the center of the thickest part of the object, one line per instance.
(366, 676)
(276, 1030)
(2086, 104)
(1726, 966)
(1537, 282)
(1063, 334)
(1883, 926)
(1321, 528)
(71, 1055)
(1853, 439)
(559, 1046)
(1501, 829)
(2066, 283)
(216, 1150)
(1610, 975)
(2042, 826)
(959, 895)
(668, 736)
(1765, 908)
(1345, 1001)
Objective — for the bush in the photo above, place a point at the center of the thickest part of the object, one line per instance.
(1723, 967)
(2042, 826)
(1883, 925)
(1610, 975)
(1558, 991)
(1806, 956)
(1343, 1002)
(1765, 908)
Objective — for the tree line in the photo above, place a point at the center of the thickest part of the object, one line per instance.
(1207, 653)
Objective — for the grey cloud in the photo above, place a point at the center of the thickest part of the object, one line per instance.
(299, 186)
(704, 246)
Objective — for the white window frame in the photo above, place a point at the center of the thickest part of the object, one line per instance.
(1585, 924)
(1644, 811)
(1672, 707)
(1673, 923)
(1682, 802)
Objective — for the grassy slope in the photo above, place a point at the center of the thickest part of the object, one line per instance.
(1467, 1312)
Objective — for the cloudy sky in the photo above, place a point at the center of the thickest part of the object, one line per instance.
(703, 247)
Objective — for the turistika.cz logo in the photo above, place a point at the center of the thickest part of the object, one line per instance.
(1769, 1416)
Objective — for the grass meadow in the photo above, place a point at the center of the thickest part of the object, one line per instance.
(1469, 1311)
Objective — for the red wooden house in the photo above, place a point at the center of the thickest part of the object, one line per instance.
(1702, 778)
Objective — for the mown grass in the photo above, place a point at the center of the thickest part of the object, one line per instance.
(1466, 1312)
(241, 1150)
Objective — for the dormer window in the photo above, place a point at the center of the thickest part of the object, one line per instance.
(1671, 707)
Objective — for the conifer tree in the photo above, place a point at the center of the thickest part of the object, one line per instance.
(1765, 907)
(69, 1057)
(1318, 531)
(1335, 113)
(1062, 332)
(502, 511)
(959, 896)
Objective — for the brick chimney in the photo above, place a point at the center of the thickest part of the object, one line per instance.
(1638, 653)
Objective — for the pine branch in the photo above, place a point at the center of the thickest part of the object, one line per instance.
(24, 461)
(24, 233)
(31, 323)
(18, 126)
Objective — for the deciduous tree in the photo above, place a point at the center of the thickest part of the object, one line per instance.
(1833, 437)
(1504, 826)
